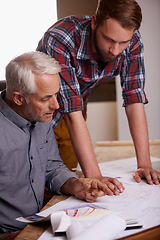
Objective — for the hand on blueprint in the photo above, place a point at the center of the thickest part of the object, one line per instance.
(114, 187)
(152, 176)
(85, 188)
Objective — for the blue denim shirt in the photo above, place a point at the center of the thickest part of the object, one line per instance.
(29, 160)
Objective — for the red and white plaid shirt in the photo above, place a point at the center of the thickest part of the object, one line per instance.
(68, 41)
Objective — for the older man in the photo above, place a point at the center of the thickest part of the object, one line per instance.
(29, 158)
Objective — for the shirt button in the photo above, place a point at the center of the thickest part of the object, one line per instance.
(31, 157)
(32, 180)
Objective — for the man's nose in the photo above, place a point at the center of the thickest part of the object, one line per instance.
(54, 103)
(114, 49)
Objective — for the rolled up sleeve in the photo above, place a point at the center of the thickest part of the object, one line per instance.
(133, 74)
(57, 173)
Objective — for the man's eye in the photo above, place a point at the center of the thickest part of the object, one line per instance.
(44, 100)
(109, 40)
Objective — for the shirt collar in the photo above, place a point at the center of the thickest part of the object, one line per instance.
(12, 115)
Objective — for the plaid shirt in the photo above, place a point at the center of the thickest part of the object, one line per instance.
(68, 41)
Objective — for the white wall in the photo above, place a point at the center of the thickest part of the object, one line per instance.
(150, 31)
(102, 121)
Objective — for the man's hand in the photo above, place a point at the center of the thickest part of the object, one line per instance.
(89, 189)
(152, 176)
(85, 188)
(113, 186)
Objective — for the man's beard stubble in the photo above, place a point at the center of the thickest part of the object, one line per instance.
(101, 57)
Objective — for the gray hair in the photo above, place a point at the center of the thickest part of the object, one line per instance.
(20, 72)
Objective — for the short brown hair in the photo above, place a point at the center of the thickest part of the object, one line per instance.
(127, 12)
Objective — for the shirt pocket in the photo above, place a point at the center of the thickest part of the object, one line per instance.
(42, 150)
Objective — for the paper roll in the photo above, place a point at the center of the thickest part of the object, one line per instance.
(107, 228)
(60, 221)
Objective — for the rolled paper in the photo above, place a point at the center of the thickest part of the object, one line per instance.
(60, 221)
(106, 228)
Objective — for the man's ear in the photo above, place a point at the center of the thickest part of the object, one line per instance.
(93, 22)
(17, 98)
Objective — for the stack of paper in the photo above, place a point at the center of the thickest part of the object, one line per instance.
(83, 223)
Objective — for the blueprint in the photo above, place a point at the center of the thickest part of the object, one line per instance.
(139, 201)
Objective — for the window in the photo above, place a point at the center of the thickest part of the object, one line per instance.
(23, 23)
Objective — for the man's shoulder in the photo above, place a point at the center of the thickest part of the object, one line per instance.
(137, 36)
(136, 44)
(71, 23)
(74, 19)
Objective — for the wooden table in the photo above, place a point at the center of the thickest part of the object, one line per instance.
(105, 151)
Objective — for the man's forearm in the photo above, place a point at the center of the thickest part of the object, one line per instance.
(139, 132)
(82, 144)
(67, 187)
